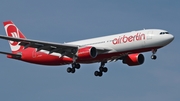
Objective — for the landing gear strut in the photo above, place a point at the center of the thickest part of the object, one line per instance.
(101, 70)
(74, 67)
(153, 56)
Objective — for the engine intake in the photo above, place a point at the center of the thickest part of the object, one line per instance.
(87, 52)
(134, 59)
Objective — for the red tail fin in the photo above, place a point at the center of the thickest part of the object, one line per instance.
(12, 31)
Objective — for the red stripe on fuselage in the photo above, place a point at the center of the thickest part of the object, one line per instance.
(30, 55)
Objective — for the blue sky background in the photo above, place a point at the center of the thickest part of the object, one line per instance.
(70, 20)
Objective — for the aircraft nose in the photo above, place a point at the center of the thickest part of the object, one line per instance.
(168, 38)
(171, 37)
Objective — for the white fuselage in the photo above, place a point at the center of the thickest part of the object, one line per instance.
(125, 43)
(129, 41)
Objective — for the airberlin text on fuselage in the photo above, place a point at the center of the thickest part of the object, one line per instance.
(131, 38)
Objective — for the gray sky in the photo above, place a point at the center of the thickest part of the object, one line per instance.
(70, 20)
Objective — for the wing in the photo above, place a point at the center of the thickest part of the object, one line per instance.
(65, 49)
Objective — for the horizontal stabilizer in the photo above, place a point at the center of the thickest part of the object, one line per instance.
(11, 55)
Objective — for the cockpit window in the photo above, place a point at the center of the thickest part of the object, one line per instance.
(164, 33)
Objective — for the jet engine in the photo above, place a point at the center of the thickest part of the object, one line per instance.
(87, 52)
(134, 59)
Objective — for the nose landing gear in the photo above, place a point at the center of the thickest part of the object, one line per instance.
(153, 56)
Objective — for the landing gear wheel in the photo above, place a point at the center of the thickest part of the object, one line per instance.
(96, 73)
(105, 69)
(78, 66)
(69, 70)
(101, 68)
(73, 65)
(73, 70)
(154, 57)
(100, 74)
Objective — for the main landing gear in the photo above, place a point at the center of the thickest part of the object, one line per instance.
(101, 70)
(73, 68)
(153, 56)
(96, 73)
(74, 65)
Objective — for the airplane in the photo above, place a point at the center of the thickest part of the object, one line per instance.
(127, 47)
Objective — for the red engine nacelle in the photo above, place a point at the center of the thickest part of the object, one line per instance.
(134, 59)
(87, 52)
